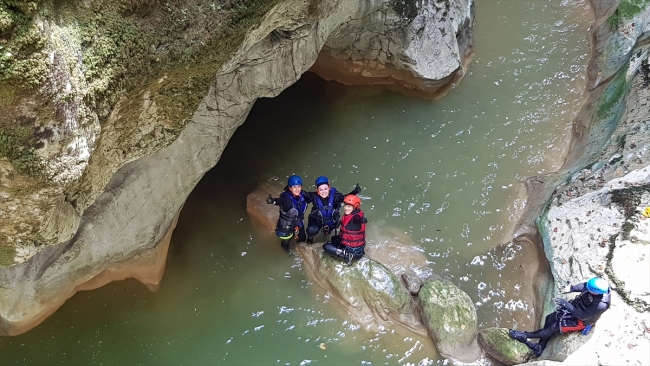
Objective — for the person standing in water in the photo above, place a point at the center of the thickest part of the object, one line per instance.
(292, 202)
(351, 242)
(326, 202)
(579, 314)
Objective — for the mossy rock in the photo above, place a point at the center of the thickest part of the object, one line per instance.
(450, 316)
(372, 294)
(366, 280)
(497, 344)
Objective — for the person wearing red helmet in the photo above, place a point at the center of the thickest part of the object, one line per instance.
(350, 244)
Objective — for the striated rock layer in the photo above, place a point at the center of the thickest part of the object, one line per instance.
(130, 191)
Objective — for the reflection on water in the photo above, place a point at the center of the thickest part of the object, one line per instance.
(445, 173)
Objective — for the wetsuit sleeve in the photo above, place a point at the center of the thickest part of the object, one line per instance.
(354, 192)
(310, 197)
(591, 311)
(285, 202)
(579, 287)
(338, 198)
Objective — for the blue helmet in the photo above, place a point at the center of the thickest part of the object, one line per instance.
(598, 286)
(321, 180)
(294, 180)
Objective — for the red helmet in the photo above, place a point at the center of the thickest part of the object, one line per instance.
(352, 200)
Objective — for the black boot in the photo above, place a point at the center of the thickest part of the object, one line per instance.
(285, 244)
(310, 240)
(519, 335)
(537, 348)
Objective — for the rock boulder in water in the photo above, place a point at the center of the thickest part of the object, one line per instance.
(497, 344)
(368, 290)
(257, 207)
(450, 316)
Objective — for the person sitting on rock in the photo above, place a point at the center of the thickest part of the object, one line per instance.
(292, 202)
(580, 314)
(326, 203)
(350, 244)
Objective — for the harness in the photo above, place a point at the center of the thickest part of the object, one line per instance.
(569, 323)
(327, 214)
(353, 238)
(288, 224)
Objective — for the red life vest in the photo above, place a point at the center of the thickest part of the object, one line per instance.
(353, 238)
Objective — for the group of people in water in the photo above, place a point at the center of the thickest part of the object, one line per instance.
(349, 239)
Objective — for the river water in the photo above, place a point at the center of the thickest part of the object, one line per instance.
(447, 173)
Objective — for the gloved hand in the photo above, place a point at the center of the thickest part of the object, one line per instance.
(269, 200)
(357, 188)
(561, 303)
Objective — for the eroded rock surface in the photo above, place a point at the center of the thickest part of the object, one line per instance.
(497, 344)
(372, 294)
(450, 316)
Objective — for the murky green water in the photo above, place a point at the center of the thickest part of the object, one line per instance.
(447, 173)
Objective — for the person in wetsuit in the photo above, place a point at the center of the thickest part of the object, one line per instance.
(326, 203)
(571, 316)
(351, 242)
(292, 202)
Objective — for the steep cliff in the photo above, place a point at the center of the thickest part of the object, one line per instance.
(593, 222)
(109, 212)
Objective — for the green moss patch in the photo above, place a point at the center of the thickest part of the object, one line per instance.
(7, 255)
(613, 95)
(449, 315)
(497, 343)
(17, 144)
(626, 10)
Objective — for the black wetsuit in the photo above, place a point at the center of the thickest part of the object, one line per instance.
(585, 309)
(314, 221)
(336, 248)
(286, 203)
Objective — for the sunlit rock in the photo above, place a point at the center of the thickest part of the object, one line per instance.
(497, 344)
(450, 316)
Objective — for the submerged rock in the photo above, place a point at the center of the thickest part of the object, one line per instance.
(368, 290)
(450, 316)
(497, 344)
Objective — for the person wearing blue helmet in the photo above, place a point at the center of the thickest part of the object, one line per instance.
(326, 203)
(292, 202)
(579, 314)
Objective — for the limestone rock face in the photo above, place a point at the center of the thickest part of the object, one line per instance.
(368, 291)
(450, 316)
(497, 344)
(594, 223)
(138, 177)
(381, 47)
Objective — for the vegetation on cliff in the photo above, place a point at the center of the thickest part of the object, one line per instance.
(113, 50)
(626, 10)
